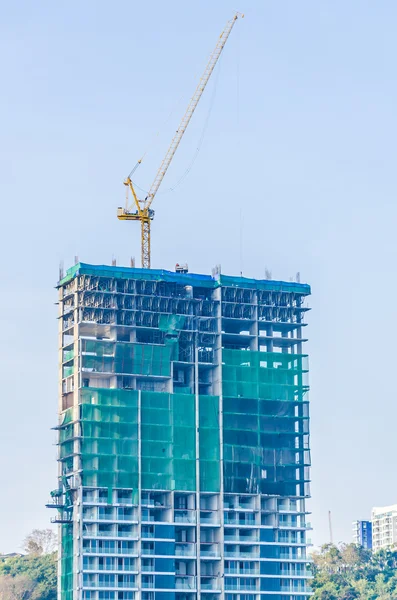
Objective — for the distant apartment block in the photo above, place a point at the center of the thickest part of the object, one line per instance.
(362, 534)
(384, 527)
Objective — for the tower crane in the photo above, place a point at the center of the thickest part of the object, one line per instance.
(141, 210)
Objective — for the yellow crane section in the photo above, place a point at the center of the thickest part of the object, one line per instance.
(140, 209)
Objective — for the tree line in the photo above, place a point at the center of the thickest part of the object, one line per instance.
(347, 572)
(32, 576)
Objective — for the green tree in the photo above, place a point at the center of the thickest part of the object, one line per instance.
(41, 571)
(16, 588)
(347, 572)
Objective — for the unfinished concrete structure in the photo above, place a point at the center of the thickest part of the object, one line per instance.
(183, 436)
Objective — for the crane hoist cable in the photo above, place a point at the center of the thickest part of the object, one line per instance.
(143, 211)
(190, 165)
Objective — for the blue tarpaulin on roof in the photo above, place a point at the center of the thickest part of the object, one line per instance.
(193, 279)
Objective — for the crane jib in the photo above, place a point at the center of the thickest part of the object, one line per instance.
(144, 214)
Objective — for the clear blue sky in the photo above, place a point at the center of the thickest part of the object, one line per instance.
(298, 160)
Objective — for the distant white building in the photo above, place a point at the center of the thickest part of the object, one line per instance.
(384, 527)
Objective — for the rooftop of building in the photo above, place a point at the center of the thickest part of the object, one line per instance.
(193, 279)
(384, 510)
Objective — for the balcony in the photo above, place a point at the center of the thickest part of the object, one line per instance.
(186, 550)
(233, 520)
(130, 535)
(92, 533)
(111, 581)
(184, 516)
(124, 518)
(113, 569)
(234, 537)
(209, 552)
(124, 551)
(185, 583)
(147, 568)
(296, 589)
(294, 574)
(210, 585)
(209, 519)
(234, 584)
(147, 535)
(238, 554)
(127, 534)
(253, 571)
(239, 507)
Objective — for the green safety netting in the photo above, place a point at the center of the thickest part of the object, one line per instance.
(168, 441)
(108, 440)
(109, 432)
(170, 323)
(66, 566)
(265, 426)
(67, 371)
(209, 443)
(127, 358)
(66, 434)
(67, 416)
(265, 421)
(267, 375)
(68, 355)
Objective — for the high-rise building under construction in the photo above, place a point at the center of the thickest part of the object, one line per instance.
(183, 436)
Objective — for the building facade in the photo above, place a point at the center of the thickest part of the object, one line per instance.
(183, 436)
(362, 534)
(384, 527)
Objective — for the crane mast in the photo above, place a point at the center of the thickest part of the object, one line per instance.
(143, 212)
